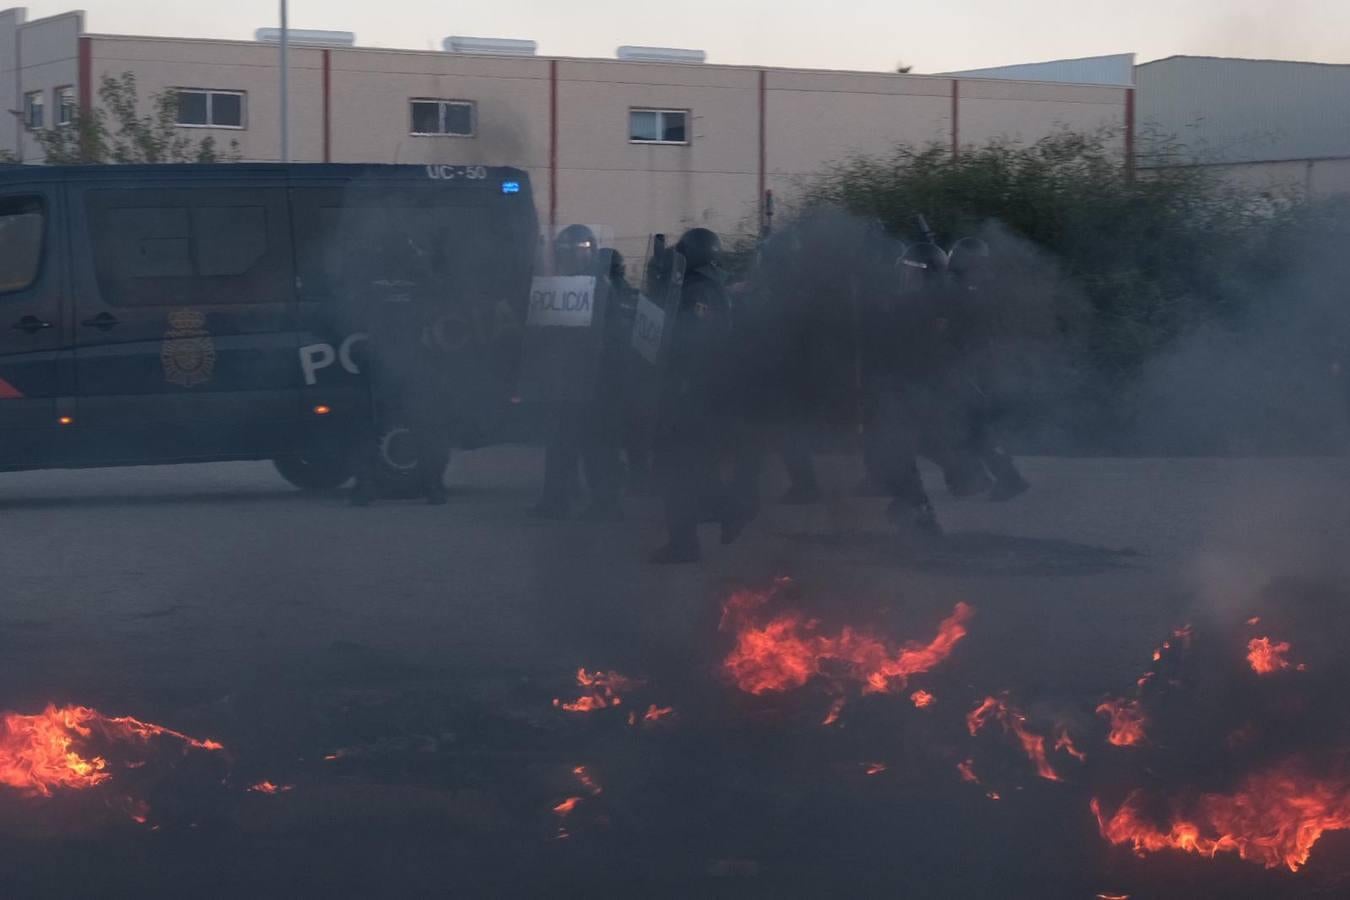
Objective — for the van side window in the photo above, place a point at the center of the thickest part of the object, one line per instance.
(22, 229)
(186, 248)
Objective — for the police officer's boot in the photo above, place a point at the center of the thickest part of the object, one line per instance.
(914, 521)
(1008, 482)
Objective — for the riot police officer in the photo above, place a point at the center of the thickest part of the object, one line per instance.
(587, 432)
(974, 327)
(699, 405)
(907, 357)
(406, 381)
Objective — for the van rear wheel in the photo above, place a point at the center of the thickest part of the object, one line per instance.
(315, 472)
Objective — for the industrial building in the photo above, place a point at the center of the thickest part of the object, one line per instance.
(1269, 125)
(652, 140)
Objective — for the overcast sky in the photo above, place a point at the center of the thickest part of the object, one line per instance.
(847, 34)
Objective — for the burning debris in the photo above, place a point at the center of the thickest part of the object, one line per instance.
(601, 690)
(656, 713)
(778, 653)
(1014, 722)
(1127, 721)
(922, 699)
(1257, 777)
(1274, 818)
(269, 788)
(1267, 657)
(68, 748)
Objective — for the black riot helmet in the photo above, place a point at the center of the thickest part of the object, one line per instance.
(922, 266)
(700, 247)
(574, 251)
(969, 262)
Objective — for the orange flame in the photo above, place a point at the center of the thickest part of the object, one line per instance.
(1014, 721)
(786, 652)
(602, 691)
(967, 769)
(836, 707)
(1128, 722)
(1267, 658)
(267, 787)
(657, 713)
(1274, 818)
(1065, 742)
(583, 776)
(565, 808)
(1254, 620)
(922, 699)
(874, 768)
(45, 752)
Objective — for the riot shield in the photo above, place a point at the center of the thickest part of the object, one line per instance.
(653, 326)
(565, 325)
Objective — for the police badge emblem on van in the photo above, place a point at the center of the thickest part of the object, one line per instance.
(188, 352)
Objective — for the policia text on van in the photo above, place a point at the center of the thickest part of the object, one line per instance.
(159, 314)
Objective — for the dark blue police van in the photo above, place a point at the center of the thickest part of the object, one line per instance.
(192, 313)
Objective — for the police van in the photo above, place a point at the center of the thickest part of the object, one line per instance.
(194, 313)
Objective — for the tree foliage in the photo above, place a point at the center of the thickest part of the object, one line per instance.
(117, 131)
(1146, 265)
(1151, 254)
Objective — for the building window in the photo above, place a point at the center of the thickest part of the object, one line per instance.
(34, 110)
(451, 118)
(65, 105)
(198, 108)
(658, 126)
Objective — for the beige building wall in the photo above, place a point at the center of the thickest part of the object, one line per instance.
(1025, 112)
(566, 121)
(603, 178)
(162, 64)
(371, 91)
(44, 57)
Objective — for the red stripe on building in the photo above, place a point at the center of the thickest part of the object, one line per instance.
(9, 391)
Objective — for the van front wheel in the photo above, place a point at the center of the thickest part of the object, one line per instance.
(315, 472)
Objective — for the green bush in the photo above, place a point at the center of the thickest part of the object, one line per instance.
(1142, 260)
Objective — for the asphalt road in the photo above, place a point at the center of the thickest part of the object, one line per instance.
(115, 578)
(216, 598)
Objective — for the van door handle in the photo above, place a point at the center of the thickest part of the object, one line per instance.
(104, 321)
(32, 325)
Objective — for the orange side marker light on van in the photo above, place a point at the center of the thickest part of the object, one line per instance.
(66, 420)
(322, 410)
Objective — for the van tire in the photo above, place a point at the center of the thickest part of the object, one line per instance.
(316, 472)
(397, 468)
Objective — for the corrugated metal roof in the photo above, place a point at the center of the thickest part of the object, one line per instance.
(1116, 70)
(1243, 110)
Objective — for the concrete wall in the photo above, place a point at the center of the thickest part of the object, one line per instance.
(38, 55)
(1244, 110)
(1028, 111)
(1290, 178)
(814, 118)
(10, 22)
